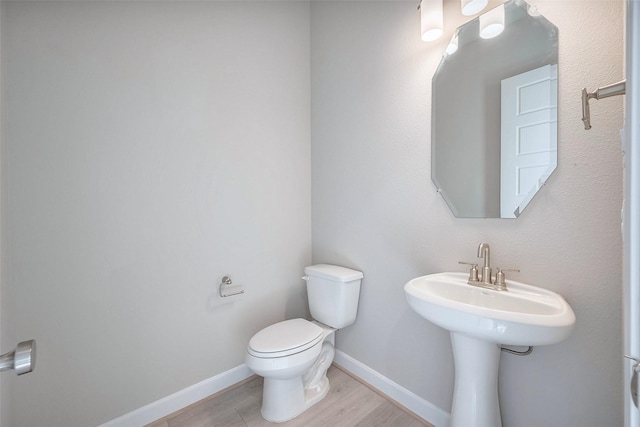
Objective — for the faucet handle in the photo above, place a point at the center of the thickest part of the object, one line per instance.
(473, 273)
(500, 278)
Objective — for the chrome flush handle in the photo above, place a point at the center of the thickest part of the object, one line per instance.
(22, 359)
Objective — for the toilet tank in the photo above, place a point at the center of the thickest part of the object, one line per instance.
(333, 293)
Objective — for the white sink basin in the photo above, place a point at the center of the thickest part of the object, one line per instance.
(522, 315)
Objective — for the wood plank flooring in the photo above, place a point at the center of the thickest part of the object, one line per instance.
(349, 403)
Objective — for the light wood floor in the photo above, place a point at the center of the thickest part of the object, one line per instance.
(349, 403)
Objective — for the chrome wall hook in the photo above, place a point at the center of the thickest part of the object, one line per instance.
(600, 93)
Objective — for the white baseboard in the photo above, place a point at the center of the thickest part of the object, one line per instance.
(424, 409)
(181, 399)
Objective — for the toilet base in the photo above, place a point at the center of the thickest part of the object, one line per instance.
(285, 399)
(279, 410)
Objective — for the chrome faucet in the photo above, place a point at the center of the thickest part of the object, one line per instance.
(483, 278)
(484, 251)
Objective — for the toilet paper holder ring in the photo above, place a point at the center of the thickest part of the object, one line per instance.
(225, 292)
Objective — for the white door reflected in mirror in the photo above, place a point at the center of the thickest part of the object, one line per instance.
(529, 137)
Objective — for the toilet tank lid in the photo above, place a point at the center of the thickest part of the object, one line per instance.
(333, 272)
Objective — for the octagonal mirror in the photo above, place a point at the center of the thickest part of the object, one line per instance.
(494, 115)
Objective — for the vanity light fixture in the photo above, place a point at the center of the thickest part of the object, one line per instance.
(431, 19)
(471, 7)
(492, 23)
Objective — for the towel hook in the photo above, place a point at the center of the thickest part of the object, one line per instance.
(601, 92)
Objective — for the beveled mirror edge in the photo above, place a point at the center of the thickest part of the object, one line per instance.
(441, 189)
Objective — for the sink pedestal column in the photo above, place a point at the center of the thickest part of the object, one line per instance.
(475, 393)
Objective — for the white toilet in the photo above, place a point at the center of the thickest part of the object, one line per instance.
(293, 356)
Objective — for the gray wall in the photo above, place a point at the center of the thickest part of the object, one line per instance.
(151, 148)
(375, 208)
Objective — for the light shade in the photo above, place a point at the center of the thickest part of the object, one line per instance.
(471, 7)
(431, 19)
(492, 23)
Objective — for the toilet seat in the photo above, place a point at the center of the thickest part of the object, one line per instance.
(285, 338)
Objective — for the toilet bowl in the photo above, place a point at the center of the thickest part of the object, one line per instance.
(293, 355)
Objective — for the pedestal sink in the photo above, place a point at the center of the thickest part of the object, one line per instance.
(479, 321)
